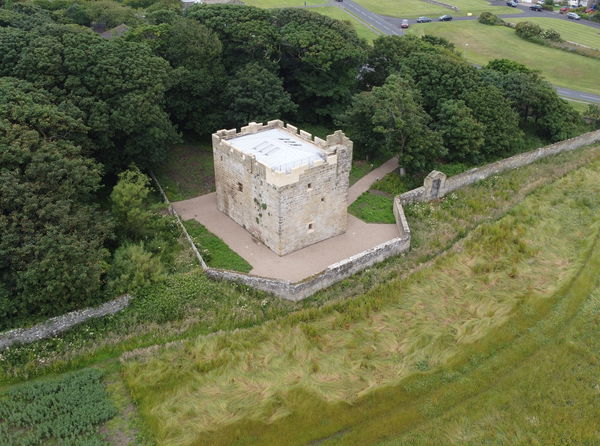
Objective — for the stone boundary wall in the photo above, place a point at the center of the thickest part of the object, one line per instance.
(307, 287)
(59, 324)
(447, 185)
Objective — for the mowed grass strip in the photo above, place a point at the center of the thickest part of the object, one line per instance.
(482, 43)
(569, 30)
(416, 8)
(363, 31)
(215, 251)
(283, 3)
(341, 353)
(373, 208)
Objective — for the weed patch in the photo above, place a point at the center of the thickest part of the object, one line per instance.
(67, 410)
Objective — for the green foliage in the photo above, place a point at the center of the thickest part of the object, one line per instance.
(133, 268)
(390, 119)
(215, 251)
(320, 61)
(66, 410)
(373, 208)
(487, 18)
(462, 134)
(130, 204)
(592, 114)
(52, 255)
(551, 34)
(508, 66)
(254, 94)
(528, 30)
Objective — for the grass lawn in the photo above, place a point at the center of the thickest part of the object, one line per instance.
(502, 302)
(282, 3)
(569, 30)
(482, 43)
(581, 107)
(188, 171)
(363, 31)
(215, 251)
(416, 8)
(373, 208)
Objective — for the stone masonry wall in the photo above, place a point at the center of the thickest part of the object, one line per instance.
(284, 210)
(450, 184)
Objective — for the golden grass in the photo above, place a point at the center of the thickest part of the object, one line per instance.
(341, 353)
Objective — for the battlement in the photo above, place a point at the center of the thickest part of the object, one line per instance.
(286, 187)
(278, 152)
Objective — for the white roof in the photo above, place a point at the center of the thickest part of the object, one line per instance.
(280, 150)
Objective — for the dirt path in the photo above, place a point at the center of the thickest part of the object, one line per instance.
(365, 182)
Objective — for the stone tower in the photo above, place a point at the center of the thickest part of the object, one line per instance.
(286, 188)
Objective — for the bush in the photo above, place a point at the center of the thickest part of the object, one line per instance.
(487, 18)
(547, 7)
(528, 30)
(551, 34)
(134, 268)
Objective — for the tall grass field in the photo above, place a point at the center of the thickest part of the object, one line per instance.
(384, 365)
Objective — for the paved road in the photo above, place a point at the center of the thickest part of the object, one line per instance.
(391, 26)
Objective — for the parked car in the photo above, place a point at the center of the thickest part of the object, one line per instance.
(563, 9)
(511, 3)
(590, 11)
(537, 8)
(445, 18)
(404, 24)
(423, 20)
(573, 16)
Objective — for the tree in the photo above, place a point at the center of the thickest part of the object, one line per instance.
(320, 61)
(52, 255)
(462, 134)
(129, 204)
(393, 121)
(493, 110)
(256, 94)
(119, 87)
(247, 33)
(592, 114)
(194, 100)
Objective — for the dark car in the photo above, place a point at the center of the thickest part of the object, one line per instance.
(445, 18)
(537, 8)
(512, 4)
(423, 20)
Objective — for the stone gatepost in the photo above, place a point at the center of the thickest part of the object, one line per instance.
(434, 184)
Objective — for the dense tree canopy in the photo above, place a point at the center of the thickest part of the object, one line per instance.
(52, 239)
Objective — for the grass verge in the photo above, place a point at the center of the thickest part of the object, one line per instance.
(482, 43)
(373, 208)
(215, 251)
(416, 8)
(289, 373)
(363, 31)
(569, 30)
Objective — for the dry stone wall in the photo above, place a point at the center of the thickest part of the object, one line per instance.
(436, 185)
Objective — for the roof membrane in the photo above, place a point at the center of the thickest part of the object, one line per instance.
(278, 149)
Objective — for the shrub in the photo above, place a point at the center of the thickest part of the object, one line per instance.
(547, 7)
(487, 18)
(134, 268)
(528, 30)
(551, 34)
(592, 115)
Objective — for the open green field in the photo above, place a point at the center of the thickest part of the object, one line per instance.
(569, 30)
(363, 31)
(282, 3)
(482, 43)
(416, 8)
(412, 349)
